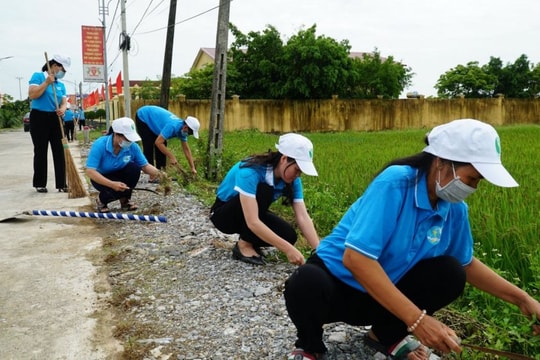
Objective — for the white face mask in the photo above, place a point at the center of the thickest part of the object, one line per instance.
(125, 144)
(455, 191)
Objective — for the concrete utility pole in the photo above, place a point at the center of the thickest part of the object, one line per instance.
(105, 11)
(217, 112)
(167, 61)
(125, 45)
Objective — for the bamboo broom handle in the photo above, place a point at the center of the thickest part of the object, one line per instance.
(55, 98)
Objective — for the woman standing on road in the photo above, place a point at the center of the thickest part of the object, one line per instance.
(404, 250)
(44, 122)
(248, 190)
(114, 165)
(69, 123)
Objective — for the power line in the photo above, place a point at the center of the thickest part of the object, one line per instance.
(183, 21)
(146, 15)
(142, 17)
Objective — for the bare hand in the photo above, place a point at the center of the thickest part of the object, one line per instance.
(50, 79)
(531, 308)
(295, 257)
(119, 186)
(434, 334)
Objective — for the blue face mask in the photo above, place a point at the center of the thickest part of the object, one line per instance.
(60, 74)
(455, 191)
(125, 144)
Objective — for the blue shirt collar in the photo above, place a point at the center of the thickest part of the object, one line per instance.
(422, 197)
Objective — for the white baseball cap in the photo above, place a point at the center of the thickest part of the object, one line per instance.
(300, 149)
(194, 125)
(126, 127)
(474, 142)
(63, 60)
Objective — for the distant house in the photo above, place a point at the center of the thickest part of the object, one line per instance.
(206, 56)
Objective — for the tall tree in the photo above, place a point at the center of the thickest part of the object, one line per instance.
(513, 80)
(307, 66)
(255, 64)
(314, 67)
(374, 76)
(470, 81)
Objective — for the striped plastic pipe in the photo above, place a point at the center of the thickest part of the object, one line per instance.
(97, 215)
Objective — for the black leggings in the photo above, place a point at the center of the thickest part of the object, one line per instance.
(129, 175)
(315, 297)
(228, 217)
(150, 150)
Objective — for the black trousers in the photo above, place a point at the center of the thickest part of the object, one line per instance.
(228, 217)
(69, 129)
(129, 175)
(315, 297)
(45, 129)
(150, 150)
(81, 123)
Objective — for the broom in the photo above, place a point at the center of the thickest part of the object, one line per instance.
(74, 183)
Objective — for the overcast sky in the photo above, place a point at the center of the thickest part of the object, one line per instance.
(430, 36)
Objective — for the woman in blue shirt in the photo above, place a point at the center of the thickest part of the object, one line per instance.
(69, 124)
(248, 190)
(114, 165)
(157, 125)
(404, 250)
(44, 121)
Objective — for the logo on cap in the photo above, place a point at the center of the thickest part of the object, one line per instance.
(498, 146)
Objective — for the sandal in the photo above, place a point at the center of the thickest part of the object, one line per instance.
(129, 206)
(400, 350)
(41, 189)
(300, 354)
(102, 208)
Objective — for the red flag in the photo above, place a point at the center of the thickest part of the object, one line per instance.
(96, 97)
(90, 100)
(110, 89)
(103, 92)
(119, 84)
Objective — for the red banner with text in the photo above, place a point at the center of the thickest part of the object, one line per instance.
(92, 54)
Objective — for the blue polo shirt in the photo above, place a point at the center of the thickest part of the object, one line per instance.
(103, 159)
(162, 122)
(393, 222)
(68, 115)
(244, 180)
(46, 101)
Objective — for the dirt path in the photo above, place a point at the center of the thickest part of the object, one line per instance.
(52, 300)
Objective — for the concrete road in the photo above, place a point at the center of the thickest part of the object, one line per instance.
(51, 293)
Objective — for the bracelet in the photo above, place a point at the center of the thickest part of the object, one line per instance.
(417, 322)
